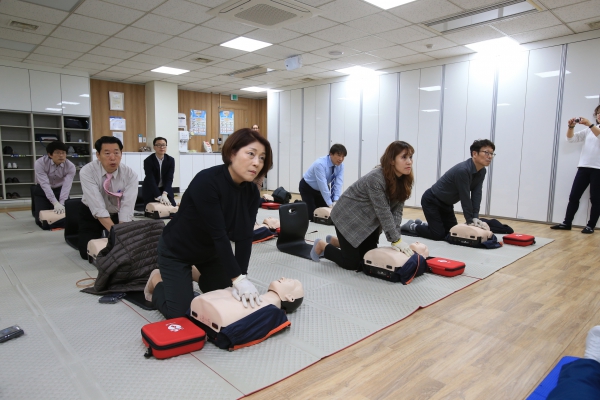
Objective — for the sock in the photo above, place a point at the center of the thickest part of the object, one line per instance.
(418, 221)
(313, 254)
(328, 239)
(409, 226)
(592, 344)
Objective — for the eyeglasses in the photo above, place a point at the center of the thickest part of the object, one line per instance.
(160, 145)
(488, 154)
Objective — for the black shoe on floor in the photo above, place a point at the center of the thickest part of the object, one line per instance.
(561, 227)
(587, 230)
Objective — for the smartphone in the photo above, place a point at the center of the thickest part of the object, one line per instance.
(111, 298)
(10, 333)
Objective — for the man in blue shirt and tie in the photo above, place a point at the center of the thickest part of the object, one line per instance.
(321, 184)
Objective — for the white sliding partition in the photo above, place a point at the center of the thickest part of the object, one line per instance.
(45, 92)
(309, 131)
(388, 115)
(456, 83)
(582, 61)
(370, 126)
(508, 137)
(284, 138)
(538, 133)
(429, 129)
(295, 155)
(408, 120)
(273, 136)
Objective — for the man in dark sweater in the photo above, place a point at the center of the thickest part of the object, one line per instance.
(464, 183)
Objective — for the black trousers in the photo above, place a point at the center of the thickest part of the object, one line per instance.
(348, 256)
(313, 198)
(147, 195)
(579, 379)
(40, 202)
(585, 177)
(173, 296)
(90, 228)
(440, 217)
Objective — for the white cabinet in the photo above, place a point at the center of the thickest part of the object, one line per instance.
(198, 163)
(75, 95)
(186, 171)
(14, 89)
(135, 161)
(45, 92)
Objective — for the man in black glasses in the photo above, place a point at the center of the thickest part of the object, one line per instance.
(159, 169)
(464, 183)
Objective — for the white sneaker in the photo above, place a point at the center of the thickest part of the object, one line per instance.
(15, 165)
(8, 165)
(592, 344)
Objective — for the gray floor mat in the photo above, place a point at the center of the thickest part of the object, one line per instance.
(75, 347)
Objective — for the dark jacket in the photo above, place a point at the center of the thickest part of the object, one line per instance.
(124, 265)
(150, 190)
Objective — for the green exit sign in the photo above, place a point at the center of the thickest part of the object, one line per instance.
(234, 97)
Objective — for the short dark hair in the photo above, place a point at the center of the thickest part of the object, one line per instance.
(478, 144)
(107, 140)
(597, 111)
(157, 139)
(338, 149)
(242, 138)
(56, 145)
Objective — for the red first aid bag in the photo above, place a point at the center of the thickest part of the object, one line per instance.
(445, 267)
(270, 206)
(173, 337)
(519, 239)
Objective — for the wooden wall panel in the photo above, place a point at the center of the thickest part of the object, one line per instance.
(134, 114)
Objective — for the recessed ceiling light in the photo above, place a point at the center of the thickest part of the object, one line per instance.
(387, 4)
(592, 97)
(23, 25)
(433, 110)
(550, 74)
(358, 70)
(246, 44)
(336, 53)
(54, 109)
(169, 70)
(495, 46)
(431, 88)
(67, 102)
(84, 95)
(255, 89)
(14, 45)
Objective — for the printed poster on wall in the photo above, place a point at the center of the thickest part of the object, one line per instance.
(198, 122)
(225, 122)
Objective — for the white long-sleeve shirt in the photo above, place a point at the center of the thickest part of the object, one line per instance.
(49, 176)
(590, 154)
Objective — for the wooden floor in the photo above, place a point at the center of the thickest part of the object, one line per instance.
(495, 339)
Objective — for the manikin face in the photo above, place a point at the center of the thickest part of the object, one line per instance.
(287, 289)
(402, 163)
(160, 148)
(484, 157)
(59, 156)
(420, 248)
(337, 158)
(110, 157)
(247, 163)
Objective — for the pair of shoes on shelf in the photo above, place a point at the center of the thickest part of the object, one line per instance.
(14, 195)
(11, 166)
(12, 180)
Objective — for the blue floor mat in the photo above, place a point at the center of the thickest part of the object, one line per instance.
(550, 381)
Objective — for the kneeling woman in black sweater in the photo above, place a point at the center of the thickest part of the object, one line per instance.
(219, 207)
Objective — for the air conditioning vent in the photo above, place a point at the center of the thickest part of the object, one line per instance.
(249, 72)
(307, 79)
(202, 60)
(266, 14)
(23, 25)
(594, 25)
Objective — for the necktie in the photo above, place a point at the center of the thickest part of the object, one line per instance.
(332, 180)
(106, 186)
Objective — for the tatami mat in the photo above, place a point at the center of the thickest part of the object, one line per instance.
(75, 347)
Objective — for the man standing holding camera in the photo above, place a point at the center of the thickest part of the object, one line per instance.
(588, 171)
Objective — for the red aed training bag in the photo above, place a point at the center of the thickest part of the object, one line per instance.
(519, 239)
(171, 338)
(445, 267)
(270, 206)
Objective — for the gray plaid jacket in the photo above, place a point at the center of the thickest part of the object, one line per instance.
(364, 207)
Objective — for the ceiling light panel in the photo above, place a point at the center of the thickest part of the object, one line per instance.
(170, 71)
(255, 89)
(246, 44)
(387, 4)
(495, 46)
(550, 74)
(359, 71)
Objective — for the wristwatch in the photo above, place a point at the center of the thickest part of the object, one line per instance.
(592, 125)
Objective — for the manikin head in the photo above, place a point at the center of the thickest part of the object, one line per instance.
(420, 248)
(290, 293)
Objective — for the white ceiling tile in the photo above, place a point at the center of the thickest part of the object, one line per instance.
(310, 69)
(392, 52)
(99, 59)
(272, 36)
(577, 12)
(225, 78)
(234, 65)
(128, 45)
(111, 75)
(199, 74)
(541, 34)
(123, 70)
(407, 34)
(54, 52)
(50, 59)
(256, 59)
(415, 58)
(143, 5)
(142, 35)
(137, 80)
(13, 53)
(93, 25)
(529, 22)
(332, 65)
(32, 11)
(582, 26)
(360, 59)
(247, 82)
(136, 65)
(306, 43)
(108, 12)
(43, 28)
(339, 33)
(67, 44)
(207, 35)
(450, 52)
(209, 3)
(277, 52)
(472, 4)
(425, 10)
(437, 42)
(215, 70)
(384, 64)
(44, 63)
(115, 53)
(155, 76)
(180, 79)
(192, 57)
(558, 3)
(157, 23)
(310, 25)
(222, 52)
(473, 35)
(144, 58)
(277, 64)
(183, 11)
(161, 51)
(78, 35)
(19, 36)
(310, 58)
(189, 65)
(377, 23)
(369, 43)
(228, 26)
(180, 43)
(87, 66)
(348, 51)
(347, 10)
(328, 74)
